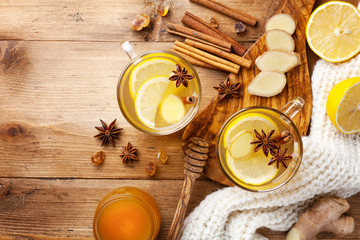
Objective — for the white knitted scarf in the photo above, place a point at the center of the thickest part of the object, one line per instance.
(330, 166)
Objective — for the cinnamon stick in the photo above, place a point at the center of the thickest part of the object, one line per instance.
(200, 40)
(230, 56)
(194, 61)
(200, 35)
(202, 26)
(206, 57)
(228, 11)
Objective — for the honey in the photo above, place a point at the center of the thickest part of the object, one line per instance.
(126, 213)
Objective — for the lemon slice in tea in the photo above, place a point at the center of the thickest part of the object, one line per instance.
(252, 170)
(249, 122)
(333, 31)
(343, 105)
(240, 147)
(148, 98)
(147, 69)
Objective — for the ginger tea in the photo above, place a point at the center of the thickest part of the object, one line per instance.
(159, 92)
(241, 154)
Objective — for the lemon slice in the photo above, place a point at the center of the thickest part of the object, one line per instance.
(253, 170)
(148, 98)
(249, 122)
(172, 109)
(343, 105)
(147, 69)
(333, 31)
(240, 147)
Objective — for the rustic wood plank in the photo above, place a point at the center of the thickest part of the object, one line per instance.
(110, 20)
(53, 90)
(64, 208)
(50, 104)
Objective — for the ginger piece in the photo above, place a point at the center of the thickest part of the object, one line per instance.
(281, 21)
(279, 60)
(267, 83)
(324, 216)
(279, 39)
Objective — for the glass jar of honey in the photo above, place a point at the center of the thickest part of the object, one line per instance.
(126, 213)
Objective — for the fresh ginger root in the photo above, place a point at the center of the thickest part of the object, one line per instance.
(324, 216)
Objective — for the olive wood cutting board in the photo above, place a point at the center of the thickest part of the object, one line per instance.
(209, 121)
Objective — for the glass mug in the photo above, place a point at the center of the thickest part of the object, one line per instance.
(248, 169)
(148, 100)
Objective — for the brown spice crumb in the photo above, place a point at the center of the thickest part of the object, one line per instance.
(213, 22)
(98, 158)
(140, 21)
(150, 168)
(162, 156)
(239, 27)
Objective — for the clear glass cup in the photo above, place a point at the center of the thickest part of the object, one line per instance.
(283, 121)
(127, 102)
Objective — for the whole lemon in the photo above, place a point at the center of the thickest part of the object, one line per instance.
(343, 105)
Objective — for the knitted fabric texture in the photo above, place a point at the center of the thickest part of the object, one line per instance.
(330, 166)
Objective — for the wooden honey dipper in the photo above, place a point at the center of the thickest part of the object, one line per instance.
(195, 160)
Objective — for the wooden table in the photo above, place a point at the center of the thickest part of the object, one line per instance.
(60, 62)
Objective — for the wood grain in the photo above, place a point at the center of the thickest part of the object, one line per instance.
(59, 65)
(208, 123)
(64, 208)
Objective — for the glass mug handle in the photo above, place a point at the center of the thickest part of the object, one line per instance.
(126, 46)
(293, 107)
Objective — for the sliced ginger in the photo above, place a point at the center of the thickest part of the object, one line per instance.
(279, 39)
(279, 60)
(267, 83)
(281, 21)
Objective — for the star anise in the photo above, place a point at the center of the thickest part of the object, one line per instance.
(181, 76)
(264, 142)
(107, 133)
(128, 153)
(279, 157)
(226, 89)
